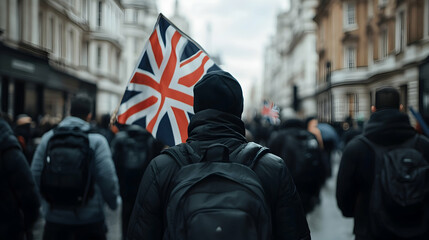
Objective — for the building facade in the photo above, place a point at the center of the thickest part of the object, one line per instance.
(365, 45)
(291, 60)
(51, 50)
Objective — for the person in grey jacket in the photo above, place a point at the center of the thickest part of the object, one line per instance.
(86, 222)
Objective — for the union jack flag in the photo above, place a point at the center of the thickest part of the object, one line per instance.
(159, 96)
(271, 112)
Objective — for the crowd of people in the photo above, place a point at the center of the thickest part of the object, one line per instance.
(230, 180)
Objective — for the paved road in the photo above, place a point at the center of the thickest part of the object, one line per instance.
(325, 222)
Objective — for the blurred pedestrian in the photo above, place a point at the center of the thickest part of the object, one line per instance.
(76, 176)
(212, 186)
(132, 149)
(20, 202)
(311, 123)
(24, 133)
(104, 128)
(303, 156)
(382, 179)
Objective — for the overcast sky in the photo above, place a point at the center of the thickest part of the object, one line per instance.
(240, 30)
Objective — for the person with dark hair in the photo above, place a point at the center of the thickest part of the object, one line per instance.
(380, 170)
(24, 133)
(104, 127)
(20, 202)
(74, 170)
(217, 161)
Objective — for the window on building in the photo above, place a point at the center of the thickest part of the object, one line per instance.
(382, 3)
(98, 57)
(136, 45)
(350, 57)
(426, 18)
(352, 105)
(84, 55)
(20, 19)
(349, 10)
(50, 34)
(60, 40)
(384, 41)
(100, 13)
(135, 15)
(41, 28)
(70, 46)
(403, 91)
(370, 9)
(400, 31)
(370, 52)
(84, 11)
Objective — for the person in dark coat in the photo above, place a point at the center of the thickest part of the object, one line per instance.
(132, 149)
(20, 202)
(303, 157)
(387, 126)
(218, 105)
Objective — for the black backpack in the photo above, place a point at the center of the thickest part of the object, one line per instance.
(133, 149)
(399, 202)
(66, 179)
(218, 197)
(303, 157)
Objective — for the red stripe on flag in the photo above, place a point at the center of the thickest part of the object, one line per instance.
(180, 96)
(182, 123)
(192, 78)
(143, 79)
(137, 108)
(166, 77)
(157, 51)
(191, 59)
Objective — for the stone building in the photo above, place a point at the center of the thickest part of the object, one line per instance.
(365, 45)
(51, 50)
(291, 60)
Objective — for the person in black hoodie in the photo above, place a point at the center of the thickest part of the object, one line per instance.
(218, 105)
(20, 202)
(387, 126)
(303, 157)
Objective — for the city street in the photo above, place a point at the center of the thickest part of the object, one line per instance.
(325, 222)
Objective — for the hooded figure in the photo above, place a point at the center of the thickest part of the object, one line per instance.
(218, 105)
(19, 209)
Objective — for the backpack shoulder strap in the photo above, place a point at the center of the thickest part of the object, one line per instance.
(180, 154)
(378, 152)
(250, 154)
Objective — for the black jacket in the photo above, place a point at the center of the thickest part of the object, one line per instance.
(356, 172)
(208, 127)
(20, 201)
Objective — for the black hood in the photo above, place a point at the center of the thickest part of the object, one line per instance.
(389, 127)
(7, 138)
(218, 90)
(210, 126)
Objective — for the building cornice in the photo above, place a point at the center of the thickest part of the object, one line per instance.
(68, 14)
